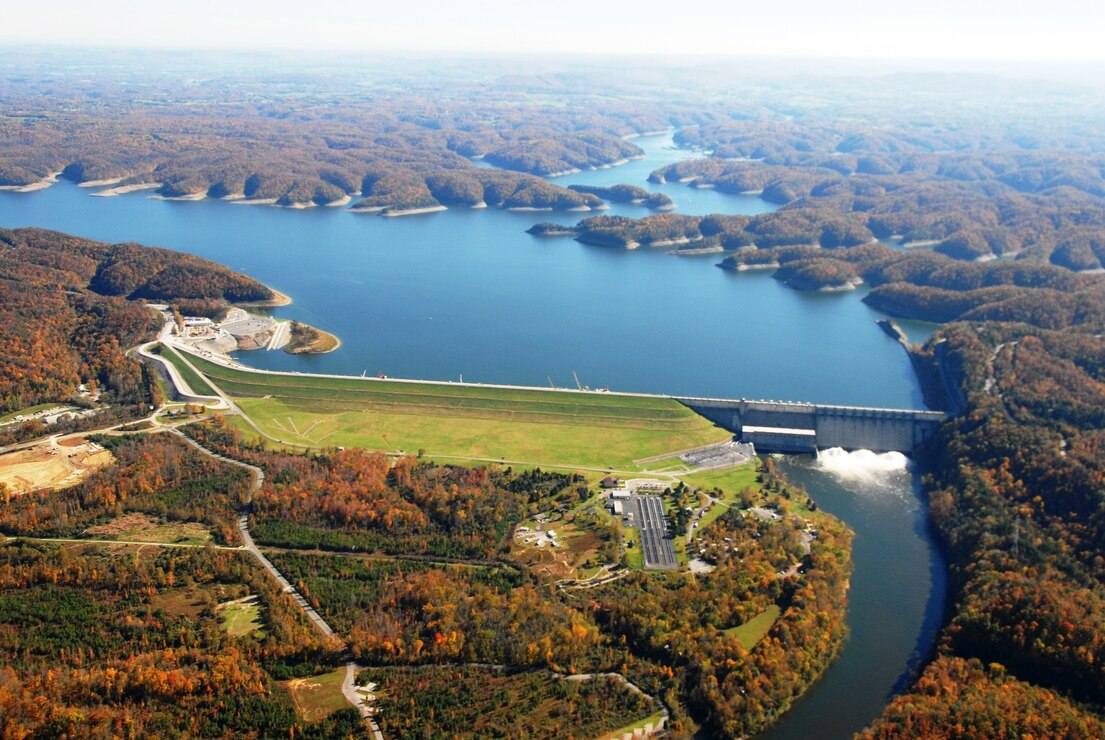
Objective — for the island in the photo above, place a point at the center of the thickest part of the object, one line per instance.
(625, 233)
(392, 195)
(563, 155)
(214, 550)
(278, 554)
(628, 194)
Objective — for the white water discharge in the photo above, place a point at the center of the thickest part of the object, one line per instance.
(863, 466)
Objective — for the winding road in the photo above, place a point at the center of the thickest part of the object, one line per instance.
(222, 401)
(348, 687)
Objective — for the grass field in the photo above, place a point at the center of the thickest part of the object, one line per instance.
(139, 527)
(198, 385)
(539, 427)
(756, 628)
(318, 696)
(634, 556)
(242, 617)
(730, 480)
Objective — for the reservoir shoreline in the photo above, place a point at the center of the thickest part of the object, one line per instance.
(468, 292)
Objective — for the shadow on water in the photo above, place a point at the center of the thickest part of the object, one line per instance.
(896, 600)
(935, 608)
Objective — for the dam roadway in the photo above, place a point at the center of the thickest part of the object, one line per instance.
(771, 426)
(783, 426)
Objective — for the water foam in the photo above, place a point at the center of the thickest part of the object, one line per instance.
(862, 465)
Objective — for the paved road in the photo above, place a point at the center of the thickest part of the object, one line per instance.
(247, 540)
(658, 549)
(279, 335)
(182, 388)
(347, 689)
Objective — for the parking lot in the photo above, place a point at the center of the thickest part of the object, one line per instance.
(657, 547)
(251, 325)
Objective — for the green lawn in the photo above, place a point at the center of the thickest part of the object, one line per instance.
(634, 556)
(241, 619)
(317, 697)
(546, 428)
(730, 480)
(756, 628)
(711, 516)
(198, 385)
(668, 464)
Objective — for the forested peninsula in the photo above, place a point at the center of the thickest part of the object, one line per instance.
(384, 152)
(73, 307)
(188, 634)
(987, 217)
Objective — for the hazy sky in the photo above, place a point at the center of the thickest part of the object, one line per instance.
(940, 29)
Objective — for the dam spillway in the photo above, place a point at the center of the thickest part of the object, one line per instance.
(782, 426)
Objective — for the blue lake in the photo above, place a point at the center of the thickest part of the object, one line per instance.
(469, 293)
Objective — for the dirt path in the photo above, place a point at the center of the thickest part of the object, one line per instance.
(140, 543)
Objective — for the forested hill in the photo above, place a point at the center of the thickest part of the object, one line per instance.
(1015, 488)
(69, 310)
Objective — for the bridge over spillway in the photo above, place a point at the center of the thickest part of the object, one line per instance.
(781, 426)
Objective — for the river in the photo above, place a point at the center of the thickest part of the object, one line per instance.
(896, 596)
(467, 293)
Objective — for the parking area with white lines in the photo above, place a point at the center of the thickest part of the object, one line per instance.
(656, 545)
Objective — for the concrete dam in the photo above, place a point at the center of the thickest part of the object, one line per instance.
(780, 426)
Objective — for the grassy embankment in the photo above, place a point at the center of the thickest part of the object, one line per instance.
(670, 465)
(198, 385)
(756, 628)
(473, 422)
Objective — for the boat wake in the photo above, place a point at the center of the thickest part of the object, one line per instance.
(863, 466)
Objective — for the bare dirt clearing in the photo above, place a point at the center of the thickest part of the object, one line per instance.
(51, 465)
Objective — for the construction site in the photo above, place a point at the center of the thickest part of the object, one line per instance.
(239, 330)
(51, 464)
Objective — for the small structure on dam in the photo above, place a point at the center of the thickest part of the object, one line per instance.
(779, 439)
(780, 426)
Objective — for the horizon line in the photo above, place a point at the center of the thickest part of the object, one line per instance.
(535, 54)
